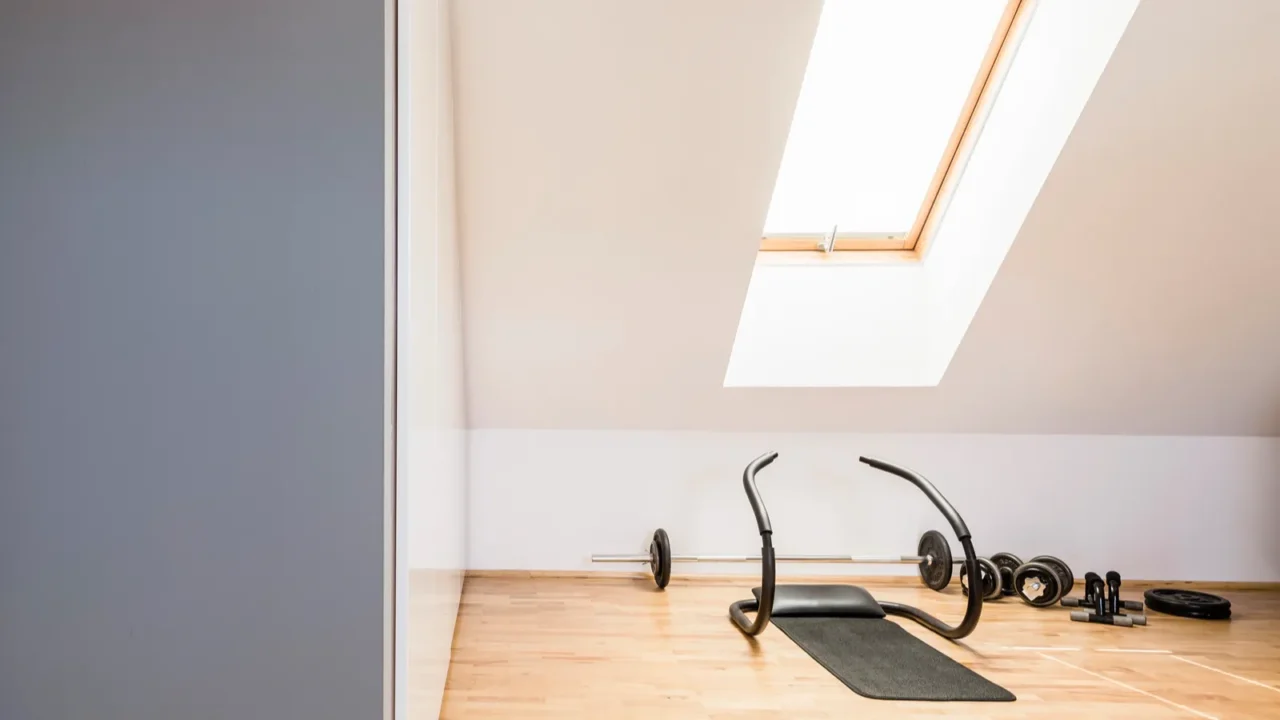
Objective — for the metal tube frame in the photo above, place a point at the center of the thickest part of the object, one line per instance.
(837, 559)
(763, 607)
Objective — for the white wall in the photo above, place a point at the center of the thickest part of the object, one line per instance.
(610, 233)
(432, 420)
(1170, 508)
(611, 229)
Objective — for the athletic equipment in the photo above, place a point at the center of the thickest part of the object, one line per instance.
(1104, 603)
(1061, 569)
(992, 580)
(1041, 582)
(1188, 603)
(933, 559)
(1117, 620)
(1092, 580)
(1038, 584)
(1006, 563)
(844, 628)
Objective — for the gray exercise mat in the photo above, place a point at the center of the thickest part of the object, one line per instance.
(878, 659)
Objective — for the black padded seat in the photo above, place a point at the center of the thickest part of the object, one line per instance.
(823, 601)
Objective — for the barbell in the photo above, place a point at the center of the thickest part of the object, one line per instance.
(933, 557)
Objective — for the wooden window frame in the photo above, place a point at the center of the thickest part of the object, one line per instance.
(910, 247)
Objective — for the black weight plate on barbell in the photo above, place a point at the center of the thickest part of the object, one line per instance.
(936, 575)
(1188, 603)
(660, 558)
(1038, 584)
(991, 584)
(1064, 571)
(1007, 563)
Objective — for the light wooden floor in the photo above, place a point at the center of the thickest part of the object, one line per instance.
(603, 648)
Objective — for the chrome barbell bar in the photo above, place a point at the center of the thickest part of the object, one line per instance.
(845, 559)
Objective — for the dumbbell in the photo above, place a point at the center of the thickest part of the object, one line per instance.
(992, 582)
(1006, 563)
(1042, 580)
(1039, 582)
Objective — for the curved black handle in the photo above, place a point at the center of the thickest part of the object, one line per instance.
(1097, 591)
(753, 493)
(764, 606)
(768, 574)
(949, 512)
(1113, 592)
(973, 608)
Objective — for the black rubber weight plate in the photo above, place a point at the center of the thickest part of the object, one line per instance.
(937, 574)
(1007, 562)
(660, 558)
(991, 584)
(1038, 584)
(1063, 570)
(1188, 603)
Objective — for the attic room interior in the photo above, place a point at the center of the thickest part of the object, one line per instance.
(606, 358)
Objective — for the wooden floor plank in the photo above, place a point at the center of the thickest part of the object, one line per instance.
(613, 647)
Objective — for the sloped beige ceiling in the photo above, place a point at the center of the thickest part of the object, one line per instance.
(615, 165)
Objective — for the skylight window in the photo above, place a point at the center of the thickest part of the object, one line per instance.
(889, 94)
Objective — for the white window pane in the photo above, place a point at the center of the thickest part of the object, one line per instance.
(885, 85)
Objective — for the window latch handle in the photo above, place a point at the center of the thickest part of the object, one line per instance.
(829, 242)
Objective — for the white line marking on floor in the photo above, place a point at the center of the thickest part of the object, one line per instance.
(1039, 649)
(1224, 672)
(1193, 711)
(1134, 650)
